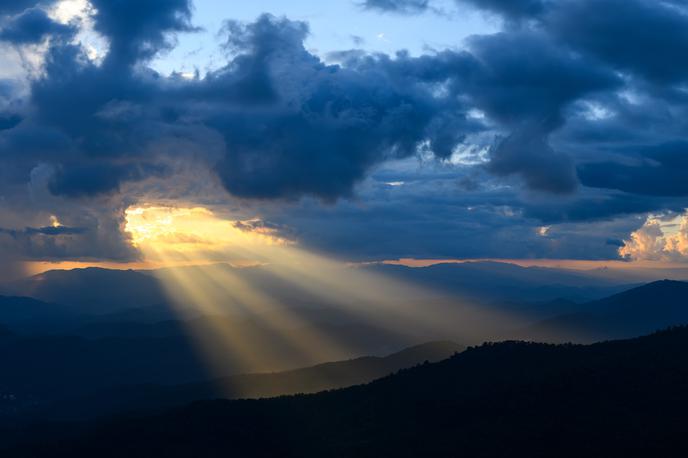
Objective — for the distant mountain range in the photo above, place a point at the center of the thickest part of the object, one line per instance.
(614, 399)
(165, 353)
(97, 291)
(121, 350)
(91, 353)
(501, 281)
(630, 313)
(96, 303)
(68, 410)
(327, 376)
(19, 312)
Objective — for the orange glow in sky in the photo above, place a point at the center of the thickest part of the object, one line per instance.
(169, 236)
(191, 235)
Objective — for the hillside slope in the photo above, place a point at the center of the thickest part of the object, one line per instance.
(313, 379)
(614, 399)
(631, 313)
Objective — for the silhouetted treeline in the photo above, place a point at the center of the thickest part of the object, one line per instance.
(512, 399)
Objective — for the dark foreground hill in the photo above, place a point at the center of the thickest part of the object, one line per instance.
(48, 368)
(631, 313)
(327, 376)
(614, 399)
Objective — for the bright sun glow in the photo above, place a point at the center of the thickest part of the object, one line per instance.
(195, 232)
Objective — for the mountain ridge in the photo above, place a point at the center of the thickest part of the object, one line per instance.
(633, 312)
(622, 398)
(320, 377)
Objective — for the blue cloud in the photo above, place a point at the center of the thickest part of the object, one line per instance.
(397, 6)
(579, 108)
(32, 26)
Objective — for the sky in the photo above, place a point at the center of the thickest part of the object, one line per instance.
(363, 131)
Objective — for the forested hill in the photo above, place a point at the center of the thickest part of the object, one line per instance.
(621, 398)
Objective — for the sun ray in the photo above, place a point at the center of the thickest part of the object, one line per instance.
(248, 321)
(278, 318)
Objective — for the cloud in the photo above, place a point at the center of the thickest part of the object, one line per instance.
(291, 125)
(591, 205)
(314, 128)
(397, 6)
(32, 26)
(8, 7)
(87, 232)
(583, 102)
(524, 82)
(510, 9)
(647, 243)
(93, 179)
(644, 37)
(47, 230)
(137, 30)
(522, 74)
(8, 121)
(659, 171)
(257, 225)
(529, 155)
(658, 240)
(48, 242)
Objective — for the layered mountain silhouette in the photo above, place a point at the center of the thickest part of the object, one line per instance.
(4, 332)
(613, 399)
(121, 349)
(91, 290)
(60, 414)
(630, 313)
(99, 303)
(42, 369)
(28, 313)
(99, 291)
(327, 376)
(502, 281)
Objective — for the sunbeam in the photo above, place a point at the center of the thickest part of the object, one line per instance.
(280, 312)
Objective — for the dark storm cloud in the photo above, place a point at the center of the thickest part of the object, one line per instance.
(66, 242)
(140, 29)
(433, 218)
(315, 128)
(47, 230)
(615, 242)
(397, 6)
(103, 102)
(102, 178)
(524, 82)
(645, 37)
(528, 154)
(596, 207)
(510, 9)
(291, 124)
(52, 230)
(9, 121)
(581, 101)
(39, 242)
(646, 40)
(521, 75)
(658, 171)
(31, 26)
